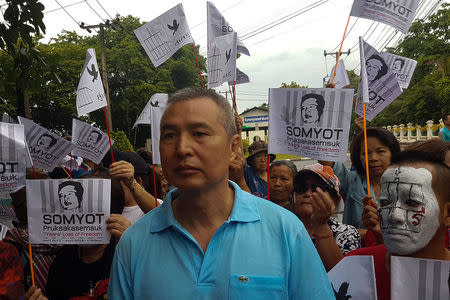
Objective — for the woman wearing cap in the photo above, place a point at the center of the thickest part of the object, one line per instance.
(316, 196)
(255, 170)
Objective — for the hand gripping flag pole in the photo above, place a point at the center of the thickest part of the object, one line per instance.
(340, 50)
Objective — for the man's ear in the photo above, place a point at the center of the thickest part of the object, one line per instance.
(235, 146)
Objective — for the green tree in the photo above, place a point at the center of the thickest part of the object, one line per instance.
(293, 84)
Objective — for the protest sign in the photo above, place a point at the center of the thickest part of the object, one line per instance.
(313, 123)
(341, 77)
(402, 67)
(241, 77)
(378, 85)
(163, 36)
(7, 214)
(68, 211)
(156, 115)
(419, 279)
(396, 13)
(218, 26)
(88, 141)
(157, 100)
(222, 60)
(354, 278)
(12, 157)
(90, 92)
(45, 148)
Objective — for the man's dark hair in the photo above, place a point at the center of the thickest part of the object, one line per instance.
(441, 172)
(226, 116)
(383, 135)
(384, 67)
(99, 135)
(402, 61)
(445, 117)
(319, 100)
(78, 189)
(52, 142)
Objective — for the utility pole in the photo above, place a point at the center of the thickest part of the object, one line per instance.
(334, 54)
(113, 24)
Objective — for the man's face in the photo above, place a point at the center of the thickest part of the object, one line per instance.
(397, 65)
(44, 142)
(447, 121)
(195, 148)
(373, 66)
(68, 198)
(92, 138)
(409, 209)
(310, 114)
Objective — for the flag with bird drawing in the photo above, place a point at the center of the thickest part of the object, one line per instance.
(163, 36)
(157, 100)
(218, 26)
(221, 60)
(90, 92)
(241, 77)
(354, 278)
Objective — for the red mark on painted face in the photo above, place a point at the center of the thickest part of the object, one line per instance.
(419, 214)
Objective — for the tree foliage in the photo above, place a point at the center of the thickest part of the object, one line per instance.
(293, 84)
(428, 96)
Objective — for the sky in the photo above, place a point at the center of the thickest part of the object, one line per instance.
(290, 51)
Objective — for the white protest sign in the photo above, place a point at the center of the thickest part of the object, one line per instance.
(419, 279)
(313, 123)
(163, 36)
(12, 157)
(156, 115)
(354, 278)
(218, 26)
(382, 86)
(241, 77)
(221, 61)
(46, 148)
(68, 211)
(402, 67)
(341, 77)
(157, 100)
(88, 141)
(396, 13)
(90, 92)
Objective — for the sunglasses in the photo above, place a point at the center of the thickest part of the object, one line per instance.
(303, 188)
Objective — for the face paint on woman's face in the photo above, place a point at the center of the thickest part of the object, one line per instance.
(409, 209)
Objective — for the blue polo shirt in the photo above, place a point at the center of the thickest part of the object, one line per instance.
(261, 252)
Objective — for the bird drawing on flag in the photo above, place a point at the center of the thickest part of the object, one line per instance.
(342, 294)
(93, 72)
(154, 104)
(227, 55)
(174, 26)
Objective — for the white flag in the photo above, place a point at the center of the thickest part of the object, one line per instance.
(341, 77)
(12, 158)
(46, 148)
(402, 67)
(88, 141)
(157, 100)
(156, 115)
(313, 123)
(163, 36)
(354, 278)
(90, 92)
(222, 60)
(396, 13)
(378, 84)
(7, 119)
(68, 211)
(218, 26)
(241, 77)
(419, 279)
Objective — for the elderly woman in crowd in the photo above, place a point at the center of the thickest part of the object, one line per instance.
(281, 183)
(316, 196)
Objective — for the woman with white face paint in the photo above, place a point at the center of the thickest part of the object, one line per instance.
(414, 213)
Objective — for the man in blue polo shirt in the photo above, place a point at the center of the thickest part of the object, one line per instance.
(209, 239)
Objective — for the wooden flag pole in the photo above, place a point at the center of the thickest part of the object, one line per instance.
(234, 96)
(30, 251)
(109, 136)
(340, 49)
(154, 186)
(198, 66)
(365, 149)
